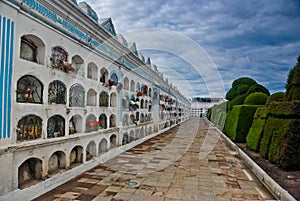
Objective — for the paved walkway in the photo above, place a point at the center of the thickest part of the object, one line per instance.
(188, 162)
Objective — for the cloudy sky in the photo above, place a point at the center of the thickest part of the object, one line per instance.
(255, 38)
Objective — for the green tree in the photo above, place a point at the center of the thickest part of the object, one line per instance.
(293, 83)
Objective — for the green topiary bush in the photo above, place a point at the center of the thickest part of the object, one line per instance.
(281, 139)
(223, 106)
(293, 83)
(266, 139)
(231, 122)
(231, 94)
(209, 113)
(222, 119)
(238, 122)
(281, 142)
(257, 98)
(285, 109)
(258, 88)
(239, 87)
(239, 100)
(217, 113)
(243, 80)
(276, 97)
(243, 88)
(254, 136)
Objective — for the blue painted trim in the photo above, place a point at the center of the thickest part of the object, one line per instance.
(113, 72)
(0, 79)
(6, 67)
(10, 77)
(116, 73)
(6, 78)
(2, 75)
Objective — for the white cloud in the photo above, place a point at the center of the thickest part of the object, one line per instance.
(252, 38)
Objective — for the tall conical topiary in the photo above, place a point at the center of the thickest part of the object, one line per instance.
(293, 83)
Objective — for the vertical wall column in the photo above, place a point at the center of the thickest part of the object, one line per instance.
(6, 64)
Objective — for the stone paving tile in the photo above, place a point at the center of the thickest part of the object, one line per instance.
(188, 162)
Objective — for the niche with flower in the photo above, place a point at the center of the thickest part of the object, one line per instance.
(29, 90)
(29, 128)
(59, 60)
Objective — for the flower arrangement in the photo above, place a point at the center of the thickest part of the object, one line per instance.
(28, 95)
(62, 64)
(111, 82)
(92, 123)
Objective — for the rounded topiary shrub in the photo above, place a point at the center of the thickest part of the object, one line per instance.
(243, 88)
(258, 98)
(231, 94)
(258, 88)
(240, 86)
(243, 80)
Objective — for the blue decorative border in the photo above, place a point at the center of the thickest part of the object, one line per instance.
(6, 66)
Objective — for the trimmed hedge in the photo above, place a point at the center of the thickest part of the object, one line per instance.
(209, 111)
(222, 119)
(239, 121)
(257, 98)
(254, 136)
(281, 109)
(217, 114)
(281, 142)
(276, 97)
(231, 122)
